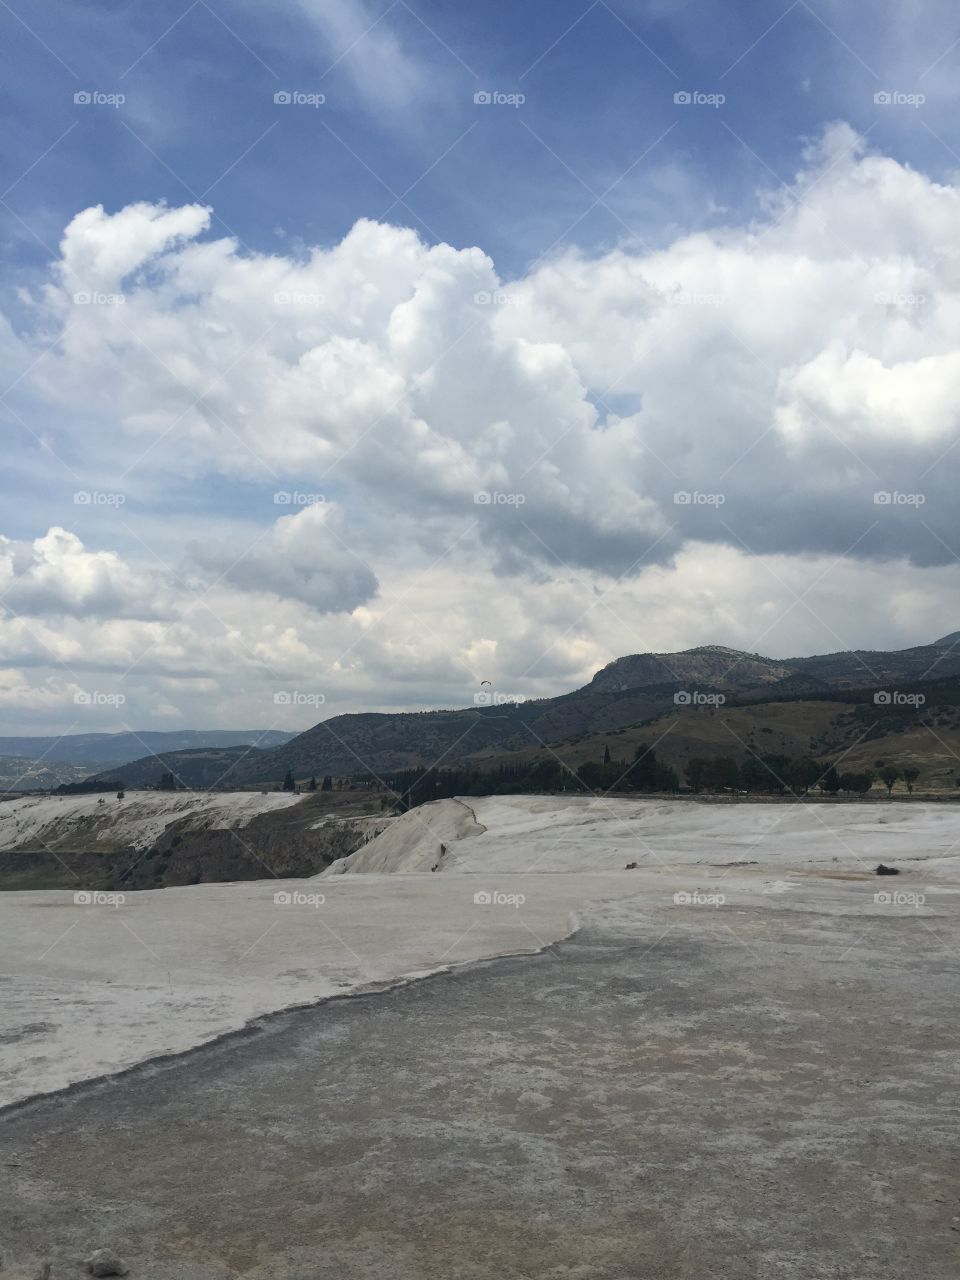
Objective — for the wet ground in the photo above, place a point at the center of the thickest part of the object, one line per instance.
(762, 1092)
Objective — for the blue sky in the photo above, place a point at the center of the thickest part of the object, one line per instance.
(585, 255)
(199, 119)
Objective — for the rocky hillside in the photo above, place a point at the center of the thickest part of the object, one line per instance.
(153, 840)
(632, 691)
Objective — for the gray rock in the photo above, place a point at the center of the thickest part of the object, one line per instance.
(104, 1262)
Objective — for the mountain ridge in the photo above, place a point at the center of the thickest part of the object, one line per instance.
(630, 691)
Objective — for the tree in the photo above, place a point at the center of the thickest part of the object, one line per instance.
(167, 782)
(288, 782)
(802, 774)
(606, 755)
(830, 782)
(888, 776)
(327, 784)
(312, 784)
(910, 773)
(860, 783)
(698, 771)
(120, 795)
(754, 776)
(725, 774)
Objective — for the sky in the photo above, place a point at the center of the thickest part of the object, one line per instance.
(355, 351)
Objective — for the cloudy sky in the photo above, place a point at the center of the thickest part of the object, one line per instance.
(358, 350)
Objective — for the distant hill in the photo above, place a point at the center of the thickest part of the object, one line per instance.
(201, 769)
(97, 751)
(20, 774)
(633, 690)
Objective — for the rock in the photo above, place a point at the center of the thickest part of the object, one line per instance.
(631, 866)
(886, 871)
(104, 1262)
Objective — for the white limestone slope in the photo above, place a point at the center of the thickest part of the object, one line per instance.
(419, 840)
(521, 835)
(84, 821)
(90, 988)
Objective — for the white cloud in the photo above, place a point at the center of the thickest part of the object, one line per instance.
(302, 557)
(56, 575)
(793, 367)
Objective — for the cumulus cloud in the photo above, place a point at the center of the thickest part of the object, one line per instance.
(302, 557)
(795, 367)
(56, 575)
(628, 451)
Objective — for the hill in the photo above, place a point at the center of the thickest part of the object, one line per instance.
(100, 750)
(632, 693)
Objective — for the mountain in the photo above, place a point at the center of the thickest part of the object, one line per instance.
(99, 750)
(632, 691)
(201, 769)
